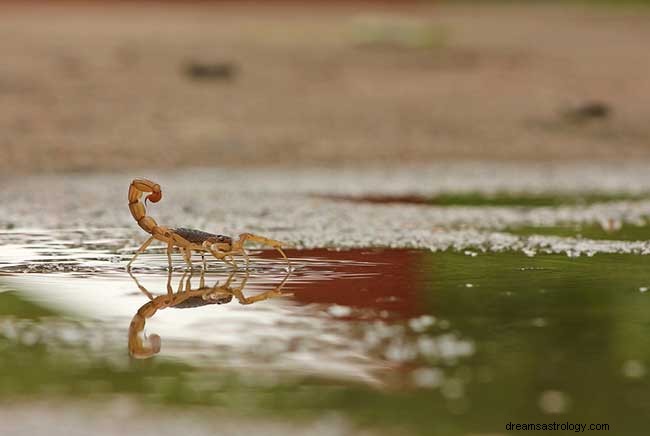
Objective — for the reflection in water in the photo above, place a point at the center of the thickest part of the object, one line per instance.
(360, 314)
(143, 346)
(493, 338)
(372, 283)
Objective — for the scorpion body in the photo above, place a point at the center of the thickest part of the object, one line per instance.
(187, 240)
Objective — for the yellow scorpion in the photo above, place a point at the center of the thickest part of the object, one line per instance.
(143, 347)
(188, 240)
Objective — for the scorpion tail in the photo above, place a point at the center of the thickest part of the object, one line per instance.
(147, 346)
(137, 208)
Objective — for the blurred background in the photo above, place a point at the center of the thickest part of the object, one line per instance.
(120, 85)
(464, 184)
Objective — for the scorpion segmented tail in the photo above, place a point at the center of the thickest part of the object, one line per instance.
(137, 208)
(151, 345)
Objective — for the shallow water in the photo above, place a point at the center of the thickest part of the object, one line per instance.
(391, 338)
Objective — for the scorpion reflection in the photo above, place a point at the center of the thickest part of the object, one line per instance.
(143, 346)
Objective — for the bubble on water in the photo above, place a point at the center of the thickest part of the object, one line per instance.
(400, 351)
(339, 311)
(427, 346)
(470, 253)
(469, 285)
(29, 338)
(9, 330)
(643, 289)
(529, 252)
(539, 322)
(421, 323)
(451, 348)
(70, 335)
(553, 402)
(427, 377)
(465, 348)
(633, 369)
(384, 331)
(453, 389)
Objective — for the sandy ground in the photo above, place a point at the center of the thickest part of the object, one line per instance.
(300, 210)
(92, 88)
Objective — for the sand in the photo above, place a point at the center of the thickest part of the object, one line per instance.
(87, 88)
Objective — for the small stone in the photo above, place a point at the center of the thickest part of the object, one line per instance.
(427, 377)
(539, 322)
(553, 402)
(339, 311)
(421, 323)
(453, 389)
(633, 369)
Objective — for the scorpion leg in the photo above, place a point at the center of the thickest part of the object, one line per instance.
(142, 288)
(208, 293)
(180, 282)
(227, 258)
(170, 292)
(231, 276)
(188, 283)
(247, 267)
(202, 278)
(272, 293)
(246, 271)
(286, 277)
(221, 255)
(187, 255)
(238, 245)
(170, 247)
(141, 250)
(232, 262)
(284, 280)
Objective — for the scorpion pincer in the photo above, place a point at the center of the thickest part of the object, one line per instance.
(188, 240)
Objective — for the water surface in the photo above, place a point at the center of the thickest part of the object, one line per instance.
(447, 342)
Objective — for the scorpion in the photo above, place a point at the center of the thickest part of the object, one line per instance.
(188, 240)
(144, 347)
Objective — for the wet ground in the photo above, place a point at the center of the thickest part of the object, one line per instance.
(452, 318)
